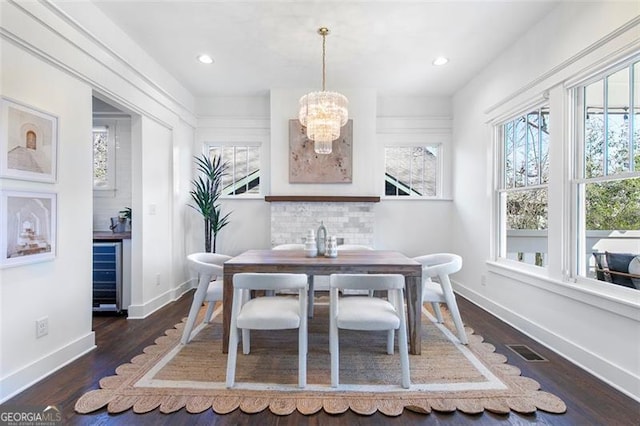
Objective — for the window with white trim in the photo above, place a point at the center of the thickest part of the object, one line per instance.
(243, 168)
(412, 171)
(523, 187)
(104, 163)
(607, 176)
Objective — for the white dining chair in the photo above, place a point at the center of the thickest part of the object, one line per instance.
(367, 314)
(441, 265)
(310, 278)
(355, 247)
(209, 268)
(267, 313)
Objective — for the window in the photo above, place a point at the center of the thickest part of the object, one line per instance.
(243, 168)
(607, 179)
(412, 171)
(103, 159)
(523, 187)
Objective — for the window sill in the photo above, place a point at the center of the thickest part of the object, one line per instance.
(620, 301)
(242, 197)
(104, 193)
(322, 199)
(415, 199)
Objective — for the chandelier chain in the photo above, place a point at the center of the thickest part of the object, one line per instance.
(324, 51)
(323, 113)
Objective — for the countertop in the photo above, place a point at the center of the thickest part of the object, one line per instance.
(112, 236)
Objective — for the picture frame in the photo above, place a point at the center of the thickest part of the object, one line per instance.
(305, 166)
(28, 223)
(28, 142)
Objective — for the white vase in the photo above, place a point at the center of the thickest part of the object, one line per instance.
(332, 247)
(310, 247)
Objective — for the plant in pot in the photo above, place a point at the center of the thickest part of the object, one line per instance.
(205, 195)
(119, 224)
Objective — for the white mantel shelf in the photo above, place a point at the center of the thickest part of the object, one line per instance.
(321, 199)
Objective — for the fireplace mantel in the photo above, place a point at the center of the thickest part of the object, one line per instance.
(321, 198)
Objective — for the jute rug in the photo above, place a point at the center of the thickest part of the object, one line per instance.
(447, 376)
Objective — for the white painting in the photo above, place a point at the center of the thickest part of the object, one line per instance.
(28, 227)
(28, 142)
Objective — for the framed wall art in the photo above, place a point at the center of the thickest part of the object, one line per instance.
(28, 233)
(28, 142)
(305, 166)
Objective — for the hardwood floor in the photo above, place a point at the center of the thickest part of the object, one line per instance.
(589, 400)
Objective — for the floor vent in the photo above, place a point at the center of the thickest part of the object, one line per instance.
(527, 353)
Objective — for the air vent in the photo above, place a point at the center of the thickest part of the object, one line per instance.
(527, 353)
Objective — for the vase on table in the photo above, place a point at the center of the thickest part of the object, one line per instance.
(310, 247)
(321, 239)
(332, 247)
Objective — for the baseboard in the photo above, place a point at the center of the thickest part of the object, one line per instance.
(146, 309)
(620, 379)
(31, 374)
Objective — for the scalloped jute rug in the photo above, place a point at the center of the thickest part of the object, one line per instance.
(447, 376)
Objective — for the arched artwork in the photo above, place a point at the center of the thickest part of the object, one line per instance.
(28, 142)
(28, 227)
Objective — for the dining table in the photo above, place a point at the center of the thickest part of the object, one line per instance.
(347, 262)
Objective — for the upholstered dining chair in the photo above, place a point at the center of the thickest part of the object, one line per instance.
(267, 313)
(441, 265)
(367, 314)
(296, 246)
(354, 247)
(208, 266)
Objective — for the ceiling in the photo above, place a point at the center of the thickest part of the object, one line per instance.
(389, 45)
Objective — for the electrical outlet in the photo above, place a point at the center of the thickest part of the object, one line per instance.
(157, 279)
(483, 280)
(42, 327)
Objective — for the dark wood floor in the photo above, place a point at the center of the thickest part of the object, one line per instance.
(589, 401)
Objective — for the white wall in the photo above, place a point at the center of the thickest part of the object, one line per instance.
(593, 327)
(152, 265)
(409, 226)
(184, 135)
(59, 289)
(414, 227)
(52, 61)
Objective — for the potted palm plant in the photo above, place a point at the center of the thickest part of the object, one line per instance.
(205, 195)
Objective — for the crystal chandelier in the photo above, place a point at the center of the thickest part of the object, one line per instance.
(323, 113)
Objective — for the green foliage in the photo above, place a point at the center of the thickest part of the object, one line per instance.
(613, 205)
(205, 195)
(609, 205)
(125, 213)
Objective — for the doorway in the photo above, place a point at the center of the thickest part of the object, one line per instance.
(112, 201)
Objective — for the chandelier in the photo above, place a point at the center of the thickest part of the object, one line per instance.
(323, 113)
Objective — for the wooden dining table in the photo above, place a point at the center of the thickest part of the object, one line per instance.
(347, 262)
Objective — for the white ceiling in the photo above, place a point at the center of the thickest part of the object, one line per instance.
(387, 45)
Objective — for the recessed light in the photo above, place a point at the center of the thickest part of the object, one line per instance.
(205, 59)
(440, 60)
